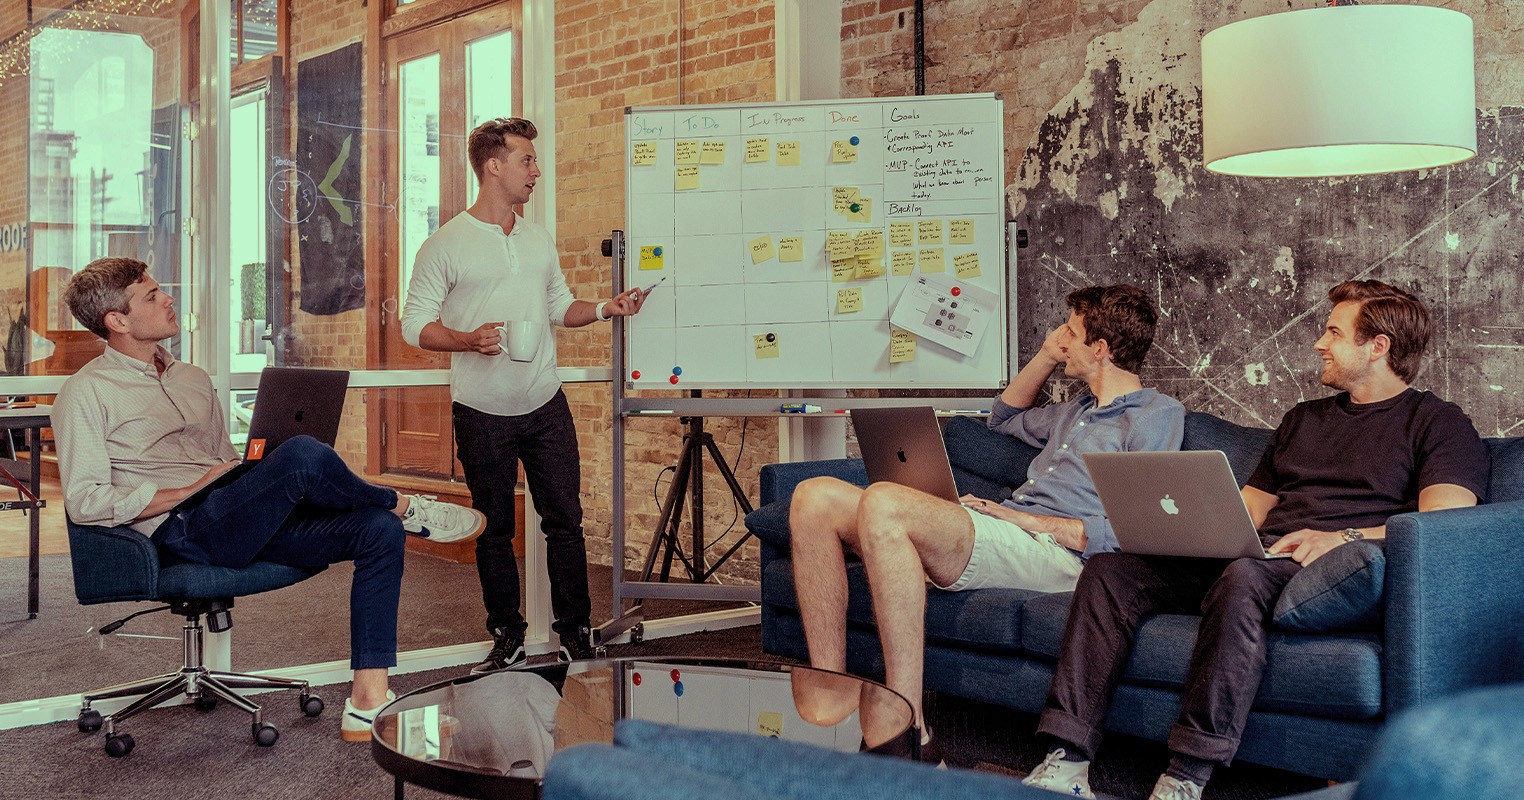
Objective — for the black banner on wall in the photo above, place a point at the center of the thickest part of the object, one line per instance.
(327, 181)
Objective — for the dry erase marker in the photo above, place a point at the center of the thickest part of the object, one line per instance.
(647, 290)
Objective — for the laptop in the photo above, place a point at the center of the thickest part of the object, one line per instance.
(904, 445)
(1175, 503)
(291, 401)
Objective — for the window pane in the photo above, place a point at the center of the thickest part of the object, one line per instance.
(247, 318)
(420, 193)
(258, 28)
(489, 87)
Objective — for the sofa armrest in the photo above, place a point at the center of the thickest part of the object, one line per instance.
(778, 480)
(1453, 596)
(112, 564)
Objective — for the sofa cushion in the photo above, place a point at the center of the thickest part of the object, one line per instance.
(1507, 482)
(1326, 676)
(985, 463)
(1243, 446)
(1340, 591)
(770, 523)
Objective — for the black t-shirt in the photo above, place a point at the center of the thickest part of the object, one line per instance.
(1335, 464)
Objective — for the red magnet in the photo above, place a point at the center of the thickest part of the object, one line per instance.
(676, 676)
(635, 374)
(635, 679)
(673, 380)
(956, 291)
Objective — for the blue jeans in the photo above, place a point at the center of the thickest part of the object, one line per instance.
(302, 507)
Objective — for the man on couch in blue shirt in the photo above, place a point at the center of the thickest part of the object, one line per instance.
(1037, 539)
(1336, 469)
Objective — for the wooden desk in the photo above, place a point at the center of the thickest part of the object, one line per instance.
(33, 420)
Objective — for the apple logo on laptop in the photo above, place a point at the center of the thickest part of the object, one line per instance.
(1169, 506)
(901, 454)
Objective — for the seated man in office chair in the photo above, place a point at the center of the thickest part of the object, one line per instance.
(1037, 539)
(139, 432)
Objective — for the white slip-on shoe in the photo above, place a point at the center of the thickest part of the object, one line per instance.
(355, 726)
(441, 522)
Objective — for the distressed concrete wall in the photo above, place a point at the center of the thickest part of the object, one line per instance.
(1104, 159)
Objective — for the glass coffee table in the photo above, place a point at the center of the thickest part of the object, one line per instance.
(491, 736)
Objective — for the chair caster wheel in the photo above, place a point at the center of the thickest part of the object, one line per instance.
(119, 744)
(90, 721)
(205, 704)
(312, 705)
(638, 633)
(265, 734)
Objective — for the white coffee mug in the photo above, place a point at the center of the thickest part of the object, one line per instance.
(520, 339)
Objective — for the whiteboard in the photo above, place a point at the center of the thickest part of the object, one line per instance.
(817, 244)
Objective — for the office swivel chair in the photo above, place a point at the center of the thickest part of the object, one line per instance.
(119, 564)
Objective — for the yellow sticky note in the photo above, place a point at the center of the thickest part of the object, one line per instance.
(762, 248)
(870, 242)
(842, 198)
(790, 248)
(788, 154)
(757, 151)
(687, 177)
(686, 152)
(931, 260)
(929, 231)
(766, 345)
(643, 154)
(869, 266)
(863, 212)
(843, 269)
(902, 262)
(651, 257)
(840, 244)
(843, 152)
(966, 265)
(901, 346)
(849, 301)
(960, 231)
(902, 234)
(770, 723)
(713, 153)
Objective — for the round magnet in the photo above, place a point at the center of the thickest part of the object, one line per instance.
(672, 380)
(676, 675)
(677, 688)
(656, 251)
(856, 207)
(772, 337)
(635, 374)
(677, 370)
(956, 291)
(635, 679)
(855, 141)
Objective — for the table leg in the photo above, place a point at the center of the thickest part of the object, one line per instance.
(33, 442)
(397, 784)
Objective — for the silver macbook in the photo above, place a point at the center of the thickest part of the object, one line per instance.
(904, 446)
(1177, 503)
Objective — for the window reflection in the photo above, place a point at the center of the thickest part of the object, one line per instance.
(420, 191)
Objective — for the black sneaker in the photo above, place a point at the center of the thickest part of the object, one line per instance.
(578, 646)
(507, 651)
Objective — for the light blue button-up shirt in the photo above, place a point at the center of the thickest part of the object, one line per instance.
(1058, 484)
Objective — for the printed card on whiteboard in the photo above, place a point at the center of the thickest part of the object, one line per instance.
(945, 311)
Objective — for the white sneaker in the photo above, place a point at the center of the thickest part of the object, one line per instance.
(355, 726)
(441, 522)
(1065, 777)
(1175, 789)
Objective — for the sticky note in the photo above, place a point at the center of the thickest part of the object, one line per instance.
(843, 269)
(870, 242)
(687, 177)
(762, 249)
(765, 348)
(757, 151)
(849, 301)
(902, 262)
(931, 260)
(864, 212)
(686, 152)
(652, 257)
(843, 152)
(713, 153)
(960, 231)
(770, 723)
(929, 231)
(901, 346)
(840, 244)
(643, 154)
(966, 265)
(842, 198)
(902, 234)
(790, 248)
(788, 154)
(869, 266)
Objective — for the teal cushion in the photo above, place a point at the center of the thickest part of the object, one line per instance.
(1339, 592)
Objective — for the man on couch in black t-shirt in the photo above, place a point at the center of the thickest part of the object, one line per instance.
(1335, 470)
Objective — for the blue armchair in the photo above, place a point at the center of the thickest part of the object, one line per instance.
(119, 564)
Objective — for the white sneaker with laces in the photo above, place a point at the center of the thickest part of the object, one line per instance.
(1065, 777)
(1175, 789)
(355, 726)
(441, 522)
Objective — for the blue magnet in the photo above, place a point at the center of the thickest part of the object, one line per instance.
(656, 251)
(677, 370)
(677, 688)
(855, 141)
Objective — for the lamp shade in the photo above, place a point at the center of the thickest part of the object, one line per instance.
(1346, 90)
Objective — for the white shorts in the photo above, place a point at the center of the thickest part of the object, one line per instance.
(1006, 556)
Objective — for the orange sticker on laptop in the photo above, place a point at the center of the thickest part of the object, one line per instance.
(256, 450)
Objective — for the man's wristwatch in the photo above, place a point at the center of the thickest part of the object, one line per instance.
(1351, 534)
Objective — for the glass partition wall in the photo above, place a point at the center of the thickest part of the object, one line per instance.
(276, 163)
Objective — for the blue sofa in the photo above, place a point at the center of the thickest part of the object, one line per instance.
(1453, 615)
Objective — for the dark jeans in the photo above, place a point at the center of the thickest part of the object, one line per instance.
(1116, 592)
(490, 447)
(302, 507)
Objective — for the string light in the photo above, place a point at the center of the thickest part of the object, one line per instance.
(83, 15)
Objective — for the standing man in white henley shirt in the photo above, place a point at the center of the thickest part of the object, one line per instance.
(481, 269)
